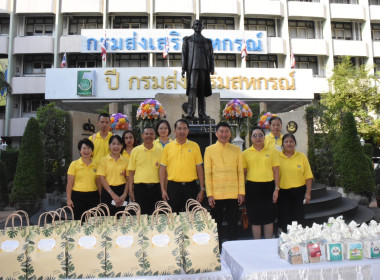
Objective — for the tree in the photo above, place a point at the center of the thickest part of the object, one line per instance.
(4, 195)
(353, 89)
(29, 178)
(355, 171)
(55, 127)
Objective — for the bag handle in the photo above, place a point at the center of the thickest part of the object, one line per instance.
(63, 209)
(191, 202)
(124, 214)
(156, 212)
(198, 209)
(105, 206)
(90, 213)
(45, 214)
(13, 215)
(135, 206)
(24, 213)
(134, 209)
(161, 203)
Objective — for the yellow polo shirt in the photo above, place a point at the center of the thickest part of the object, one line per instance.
(259, 164)
(294, 171)
(146, 164)
(85, 176)
(114, 171)
(181, 161)
(158, 142)
(224, 171)
(128, 156)
(271, 141)
(101, 146)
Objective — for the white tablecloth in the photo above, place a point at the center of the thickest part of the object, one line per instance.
(258, 259)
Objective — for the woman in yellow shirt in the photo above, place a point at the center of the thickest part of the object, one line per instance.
(82, 192)
(129, 143)
(274, 138)
(163, 131)
(112, 172)
(295, 183)
(260, 165)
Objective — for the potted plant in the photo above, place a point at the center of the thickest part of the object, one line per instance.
(28, 186)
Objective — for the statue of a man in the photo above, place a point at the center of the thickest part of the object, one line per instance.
(197, 63)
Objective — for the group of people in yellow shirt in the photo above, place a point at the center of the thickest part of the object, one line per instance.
(115, 170)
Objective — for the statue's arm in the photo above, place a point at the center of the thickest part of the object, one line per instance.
(185, 54)
(212, 66)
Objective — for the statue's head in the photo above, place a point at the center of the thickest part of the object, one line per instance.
(197, 25)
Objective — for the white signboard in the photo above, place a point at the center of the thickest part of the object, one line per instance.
(154, 40)
(146, 82)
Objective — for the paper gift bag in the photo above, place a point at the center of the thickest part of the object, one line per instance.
(162, 237)
(86, 249)
(124, 255)
(13, 260)
(46, 249)
(200, 243)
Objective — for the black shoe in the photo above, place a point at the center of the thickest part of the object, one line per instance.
(203, 116)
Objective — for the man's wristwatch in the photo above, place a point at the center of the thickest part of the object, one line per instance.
(277, 188)
(203, 189)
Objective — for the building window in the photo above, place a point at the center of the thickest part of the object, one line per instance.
(130, 22)
(262, 61)
(268, 25)
(356, 61)
(84, 60)
(175, 60)
(39, 26)
(346, 30)
(307, 62)
(76, 24)
(376, 60)
(375, 31)
(344, 1)
(374, 2)
(130, 60)
(37, 64)
(301, 29)
(218, 23)
(225, 60)
(31, 102)
(173, 22)
(4, 26)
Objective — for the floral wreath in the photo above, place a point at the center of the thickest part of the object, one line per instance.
(119, 122)
(264, 120)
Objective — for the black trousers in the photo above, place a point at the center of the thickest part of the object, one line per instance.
(107, 199)
(179, 193)
(147, 195)
(84, 201)
(231, 208)
(290, 206)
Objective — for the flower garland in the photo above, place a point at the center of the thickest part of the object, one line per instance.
(119, 122)
(150, 109)
(237, 110)
(264, 120)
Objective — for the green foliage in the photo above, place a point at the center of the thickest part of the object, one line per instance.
(10, 157)
(4, 195)
(353, 89)
(368, 150)
(55, 127)
(355, 172)
(29, 178)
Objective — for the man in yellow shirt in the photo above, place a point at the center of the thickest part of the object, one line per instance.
(144, 181)
(181, 164)
(224, 179)
(101, 139)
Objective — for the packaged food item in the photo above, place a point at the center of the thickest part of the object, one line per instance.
(353, 249)
(371, 248)
(313, 251)
(334, 251)
(295, 254)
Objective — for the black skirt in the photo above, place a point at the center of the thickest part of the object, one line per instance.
(84, 201)
(259, 202)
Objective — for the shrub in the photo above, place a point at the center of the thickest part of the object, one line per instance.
(9, 157)
(29, 178)
(368, 150)
(55, 127)
(4, 195)
(354, 167)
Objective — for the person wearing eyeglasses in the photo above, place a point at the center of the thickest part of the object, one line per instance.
(163, 130)
(295, 183)
(261, 169)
